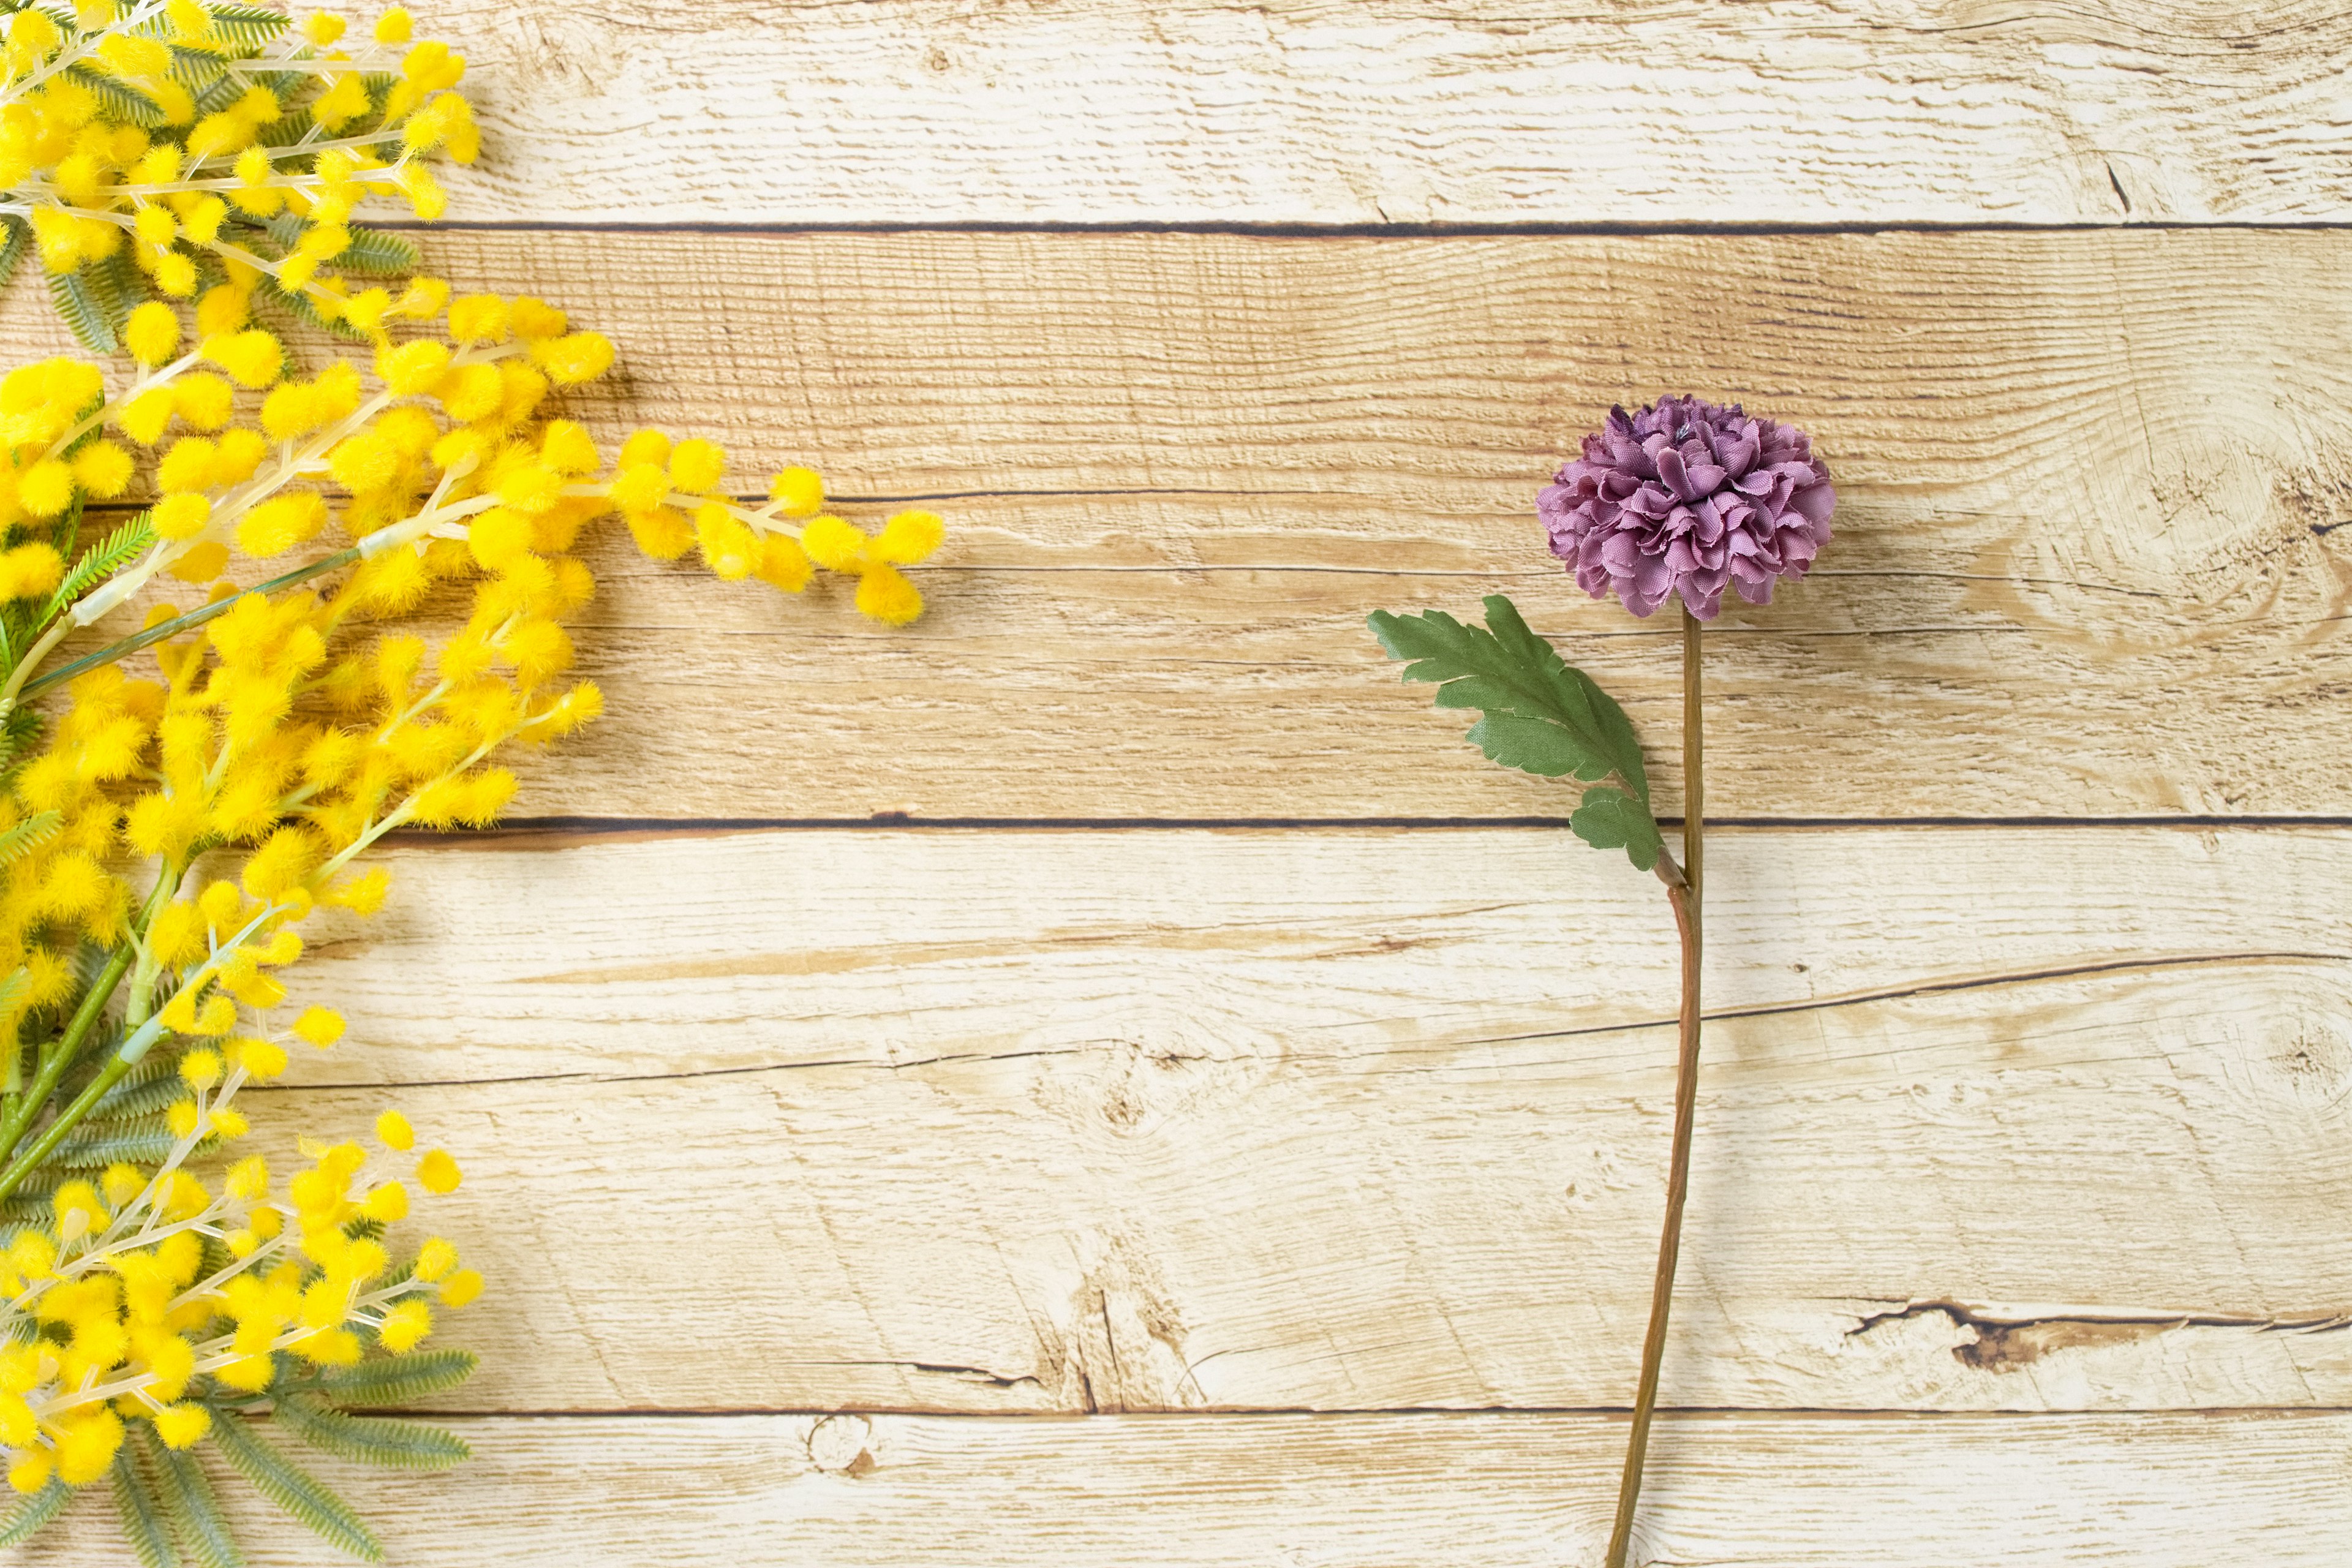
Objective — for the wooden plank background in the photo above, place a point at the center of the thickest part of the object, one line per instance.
(1106, 1073)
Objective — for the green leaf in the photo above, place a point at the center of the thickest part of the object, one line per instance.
(12, 249)
(372, 252)
(1538, 714)
(196, 69)
(144, 1524)
(189, 1503)
(29, 835)
(1612, 819)
(25, 1521)
(372, 1440)
(78, 304)
(143, 1141)
(126, 103)
(148, 1088)
(397, 1380)
(294, 1489)
(299, 306)
(247, 27)
(99, 562)
(375, 253)
(121, 287)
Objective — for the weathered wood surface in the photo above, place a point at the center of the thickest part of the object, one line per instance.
(2088, 558)
(999, 1122)
(1371, 1491)
(2019, 1158)
(1344, 112)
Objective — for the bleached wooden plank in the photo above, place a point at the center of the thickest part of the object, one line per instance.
(2087, 564)
(1499, 1490)
(669, 953)
(1059, 1121)
(1336, 111)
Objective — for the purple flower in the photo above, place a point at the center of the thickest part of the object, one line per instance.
(1685, 497)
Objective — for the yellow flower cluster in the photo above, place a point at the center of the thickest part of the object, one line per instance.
(184, 826)
(147, 145)
(149, 1297)
(441, 447)
(164, 838)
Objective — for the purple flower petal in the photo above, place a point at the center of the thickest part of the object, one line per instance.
(1690, 497)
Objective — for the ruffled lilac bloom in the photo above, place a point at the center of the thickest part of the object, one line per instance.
(1686, 497)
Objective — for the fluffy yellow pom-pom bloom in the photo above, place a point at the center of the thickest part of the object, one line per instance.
(281, 523)
(252, 358)
(180, 516)
(29, 571)
(885, 596)
(797, 491)
(574, 358)
(182, 1425)
(153, 331)
(834, 544)
(438, 1172)
(910, 537)
(320, 1025)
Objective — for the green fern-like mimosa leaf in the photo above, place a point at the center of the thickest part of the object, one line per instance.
(299, 1494)
(371, 1440)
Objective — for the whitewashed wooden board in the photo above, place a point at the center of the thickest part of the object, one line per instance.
(1356, 1491)
(1379, 111)
(993, 1121)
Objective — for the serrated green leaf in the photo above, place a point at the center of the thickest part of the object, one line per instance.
(26, 1208)
(121, 287)
(18, 730)
(12, 248)
(127, 1101)
(196, 69)
(247, 27)
(221, 94)
(397, 1380)
(83, 315)
(1538, 714)
(25, 1521)
(299, 1494)
(124, 100)
(371, 1440)
(140, 1512)
(1612, 819)
(187, 1493)
(99, 562)
(140, 1141)
(376, 254)
(299, 306)
(29, 835)
(292, 124)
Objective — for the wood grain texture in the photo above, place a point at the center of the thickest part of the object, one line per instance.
(1369, 1491)
(993, 1121)
(2088, 560)
(1342, 111)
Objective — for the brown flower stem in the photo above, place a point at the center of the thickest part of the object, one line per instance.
(1683, 893)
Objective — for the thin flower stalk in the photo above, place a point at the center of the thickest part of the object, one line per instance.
(1681, 500)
